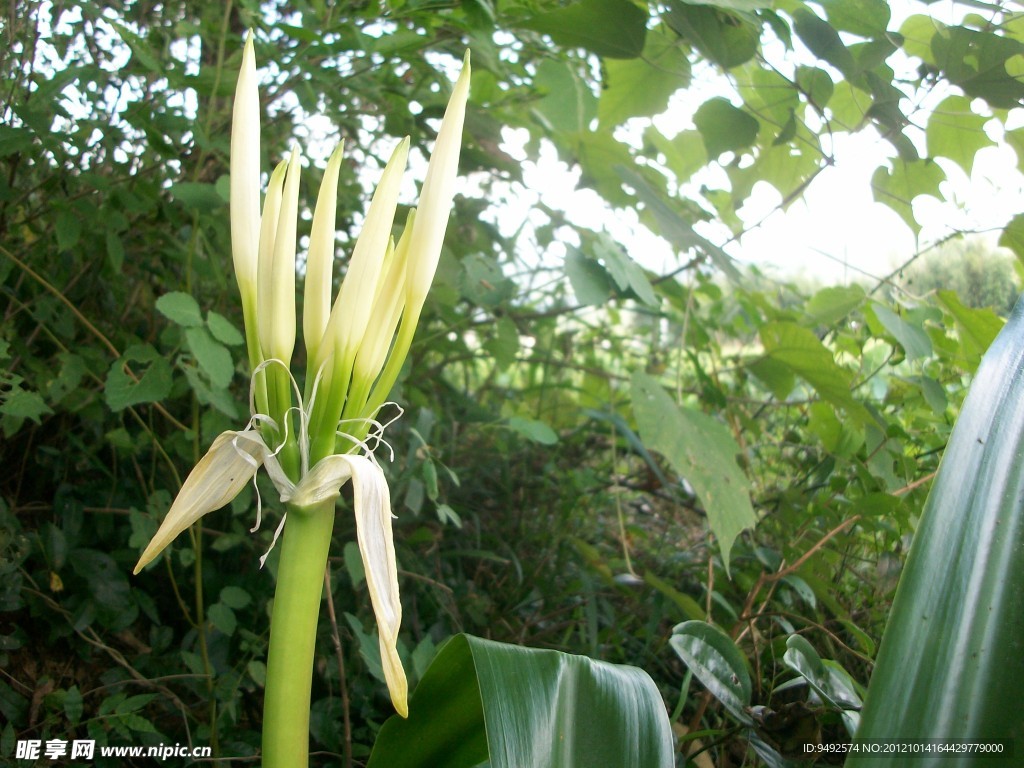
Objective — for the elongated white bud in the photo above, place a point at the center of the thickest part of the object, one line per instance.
(436, 195)
(276, 294)
(316, 306)
(245, 174)
(354, 306)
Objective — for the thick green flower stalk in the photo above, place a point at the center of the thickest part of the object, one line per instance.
(312, 442)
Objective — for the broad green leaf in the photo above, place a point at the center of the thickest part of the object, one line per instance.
(223, 618)
(1013, 236)
(180, 308)
(801, 352)
(917, 33)
(768, 95)
(73, 370)
(801, 657)
(567, 105)
(745, 6)
(715, 660)
(898, 188)
(977, 62)
(1015, 138)
(487, 703)
(151, 385)
(589, 280)
(641, 87)
(727, 39)
(223, 330)
(956, 132)
(674, 227)
(69, 228)
(612, 28)
(217, 397)
(915, 342)
(483, 281)
(933, 392)
(600, 156)
(24, 404)
(626, 273)
(866, 18)
(840, 437)
(785, 168)
(725, 128)
(353, 563)
(849, 106)
(235, 597)
(141, 50)
(701, 450)
(830, 305)
(823, 40)
(108, 587)
(816, 84)
(947, 663)
(212, 356)
(257, 671)
(684, 154)
(197, 195)
(14, 140)
(976, 327)
(504, 344)
(533, 430)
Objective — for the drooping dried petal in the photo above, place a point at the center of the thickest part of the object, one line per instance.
(372, 501)
(230, 463)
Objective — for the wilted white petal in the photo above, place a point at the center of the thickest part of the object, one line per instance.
(230, 463)
(376, 545)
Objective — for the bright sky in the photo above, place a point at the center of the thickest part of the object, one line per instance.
(837, 232)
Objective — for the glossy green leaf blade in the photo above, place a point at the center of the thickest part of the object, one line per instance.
(703, 451)
(831, 683)
(555, 710)
(446, 721)
(951, 663)
(527, 707)
(715, 660)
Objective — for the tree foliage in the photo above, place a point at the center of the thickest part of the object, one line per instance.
(537, 501)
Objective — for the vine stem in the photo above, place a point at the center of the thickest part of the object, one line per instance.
(300, 585)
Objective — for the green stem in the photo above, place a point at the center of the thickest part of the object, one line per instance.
(300, 583)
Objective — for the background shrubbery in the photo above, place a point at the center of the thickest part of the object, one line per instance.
(529, 509)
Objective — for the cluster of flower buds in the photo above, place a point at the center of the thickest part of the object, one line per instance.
(354, 349)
